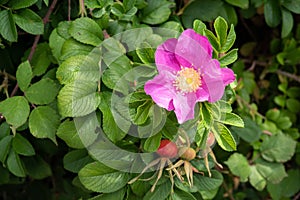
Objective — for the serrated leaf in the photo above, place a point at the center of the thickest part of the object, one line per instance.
(156, 12)
(100, 178)
(24, 75)
(287, 22)
(15, 165)
(229, 57)
(36, 167)
(56, 42)
(8, 28)
(272, 12)
(67, 131)
(75, 160)
(152, 143)
(161, 192)
(229, 40)
(224, 137)
(78, 99)
(273, 172)
(279, 148)
(239, 166)
(29, 21)
(43, 122)
(182, 195)
(80, 67)
(15, 110)
(72, 47)
(206, 115)
(42, 92)
(41, 59)
(5, 144)
(231, 119)
(16, 4)
(221, 28)
(22, 146)
(86, 30)
(256, 179)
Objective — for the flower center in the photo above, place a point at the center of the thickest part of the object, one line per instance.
(187, 80)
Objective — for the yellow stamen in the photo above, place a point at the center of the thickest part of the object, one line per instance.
(187, 80)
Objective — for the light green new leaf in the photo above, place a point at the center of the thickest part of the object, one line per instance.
(229, 40)
(146, 53)
(231, 119)
(239, 166)
(256, 179)
(100, 178)
(78, 99)
(8, 28)
(5, 144)
(67, 132)
(224, 137)
(86, 30)
(36, 167)
(142, 113)
(24, 75)
(43, 122)
(213, 40)
(221, 28)
(29, 21)
(15, 110)
(273, 172)
(287, 22)
(156, 12)
(152, 143)
(75, 160)
(15, 165)
(16, 4)
(199, 26)
(22, 146)
(42, 92)
(279, 148)
(229, 57)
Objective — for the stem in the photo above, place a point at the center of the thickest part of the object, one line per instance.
(69, 10)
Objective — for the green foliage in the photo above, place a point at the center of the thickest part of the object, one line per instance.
(75, 122)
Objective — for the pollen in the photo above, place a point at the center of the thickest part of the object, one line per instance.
(187, 80)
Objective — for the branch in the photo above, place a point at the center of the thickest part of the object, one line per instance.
(289, 75)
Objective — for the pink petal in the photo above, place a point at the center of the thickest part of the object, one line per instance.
(184, 106)
(165, 57)
(212, 80)
(161, 89)
(193, 49)
(228, 75)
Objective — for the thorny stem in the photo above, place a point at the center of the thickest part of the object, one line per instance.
(36, 40)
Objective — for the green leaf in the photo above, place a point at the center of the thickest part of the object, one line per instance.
(161, 192)
(287, 23)
(72, 48)
(100, 178)
(156, 12)
(273, 114)
(22, 146)
(4, 175)
(24, 75)
(145, 52)
(244, 4)
(224, 137)
(67, 131)
(292, 5)
(43, 122)
(78, 99)
(75, 160)
(8, 28)
(272, 12)
(80, 67)
(239, 166)
(199, 26)
(273, 172)
(46, 2)
(110, 125)
(41, 59)
(152, 143)
(229, 57)
(42, 92)
(229, 40)
(36, 167)
(142, 113)
(293, 105)
(56, 42)
(4, 130)
(5, 144)
(16, 4)
(15, 165)
(206, 114)
(256, 179)
(15, 110)
(29, 21)
(280, 100)
(182, 195)
(212, 39)
(86, 30)
(251, 131)
(221, 28)
(231, 119)
(279, 148)
(120, 194)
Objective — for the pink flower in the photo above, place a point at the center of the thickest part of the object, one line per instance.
(187, 74)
